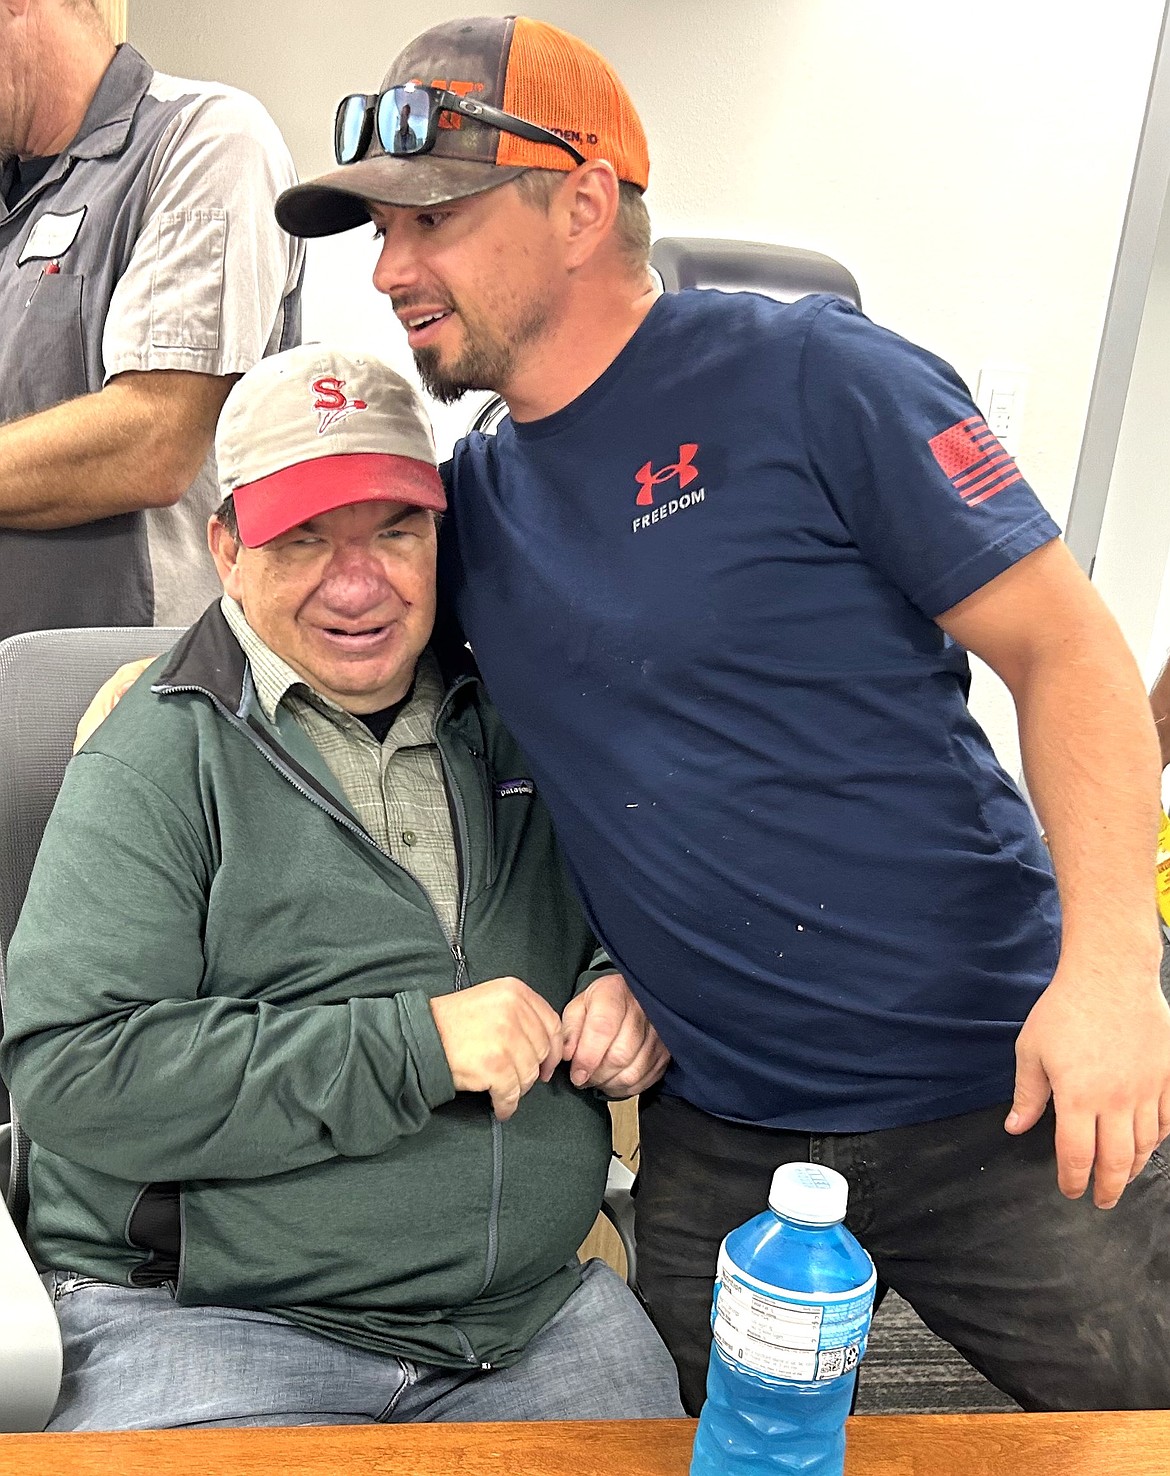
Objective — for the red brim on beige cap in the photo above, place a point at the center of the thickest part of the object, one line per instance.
(271, 506)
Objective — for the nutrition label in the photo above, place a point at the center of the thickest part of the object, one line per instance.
(789, 1336)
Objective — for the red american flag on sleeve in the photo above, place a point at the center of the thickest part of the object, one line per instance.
(974, 460)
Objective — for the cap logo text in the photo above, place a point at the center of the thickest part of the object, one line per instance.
(331, 404)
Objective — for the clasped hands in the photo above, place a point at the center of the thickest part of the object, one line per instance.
(501, 1037)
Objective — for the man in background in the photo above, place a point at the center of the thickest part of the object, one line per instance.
(721, 568)
(140, 273)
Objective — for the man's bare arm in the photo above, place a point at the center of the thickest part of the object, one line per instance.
(1098, 1039)
(137, 443)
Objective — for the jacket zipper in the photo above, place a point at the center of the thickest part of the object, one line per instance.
(343, 820)
(461, 843)
(456, 945)
(493, 1232)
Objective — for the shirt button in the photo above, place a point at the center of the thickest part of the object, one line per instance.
(409, 837)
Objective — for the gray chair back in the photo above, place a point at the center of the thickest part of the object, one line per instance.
(47, 678)
(783, 272)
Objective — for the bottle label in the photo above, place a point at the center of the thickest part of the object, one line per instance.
(776, 1334)
(1162, 868)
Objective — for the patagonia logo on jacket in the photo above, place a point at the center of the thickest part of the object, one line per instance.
(515, 786)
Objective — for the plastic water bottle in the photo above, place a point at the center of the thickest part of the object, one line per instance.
(793, 1302)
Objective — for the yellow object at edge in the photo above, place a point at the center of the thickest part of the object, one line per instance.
(1162, 869)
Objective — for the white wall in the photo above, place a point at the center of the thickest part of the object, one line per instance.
(969, 164)
(1132, 571)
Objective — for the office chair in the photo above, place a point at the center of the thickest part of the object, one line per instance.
(783, 272)
(47, 679)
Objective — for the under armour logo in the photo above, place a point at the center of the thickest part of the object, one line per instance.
(684, 469)
(333, 406)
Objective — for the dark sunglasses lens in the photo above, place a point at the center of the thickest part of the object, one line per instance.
(349, 128)
(403, 116)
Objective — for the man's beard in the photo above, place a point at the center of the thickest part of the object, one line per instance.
(479, 367)
(486, 363)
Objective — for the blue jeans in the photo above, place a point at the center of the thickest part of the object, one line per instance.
(136, 1360)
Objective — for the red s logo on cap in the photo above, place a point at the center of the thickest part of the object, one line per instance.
(333, 405)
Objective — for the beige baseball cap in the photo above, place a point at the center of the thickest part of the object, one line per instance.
(317, 428)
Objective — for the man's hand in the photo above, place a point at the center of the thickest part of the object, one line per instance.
(610, 1042)
(499, 1037)
(108, 695)
(1103, 1054)
(1098, 1039)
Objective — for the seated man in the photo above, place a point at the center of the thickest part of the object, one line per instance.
(296, 912)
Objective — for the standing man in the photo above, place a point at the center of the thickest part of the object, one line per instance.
(721, 569)
(140, 274)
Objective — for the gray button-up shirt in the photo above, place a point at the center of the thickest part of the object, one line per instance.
(150, 243)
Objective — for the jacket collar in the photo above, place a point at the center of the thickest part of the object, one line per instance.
(210, 659)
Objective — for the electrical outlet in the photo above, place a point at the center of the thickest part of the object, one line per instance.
(1000, 396)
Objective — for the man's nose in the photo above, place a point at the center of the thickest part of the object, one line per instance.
(397, 264)
(355, 580)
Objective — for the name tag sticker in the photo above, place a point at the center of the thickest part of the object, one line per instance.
(52, 236)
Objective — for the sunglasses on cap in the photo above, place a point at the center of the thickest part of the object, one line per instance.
(407, 120)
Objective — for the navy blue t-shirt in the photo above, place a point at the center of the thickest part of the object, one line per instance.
(701, 596)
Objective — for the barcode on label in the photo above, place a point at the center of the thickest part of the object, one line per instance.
(831, 1363)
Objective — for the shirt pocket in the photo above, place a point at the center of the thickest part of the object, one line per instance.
(186, 288)
(50, 366)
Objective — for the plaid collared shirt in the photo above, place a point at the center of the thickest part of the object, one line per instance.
(395, 788)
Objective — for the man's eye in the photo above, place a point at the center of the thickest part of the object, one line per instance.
(379, 233)
(430, 220)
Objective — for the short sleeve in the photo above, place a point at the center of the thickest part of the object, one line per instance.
(212, 284)
(927, 492)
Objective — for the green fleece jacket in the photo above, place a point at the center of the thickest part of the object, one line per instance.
(219, 1039)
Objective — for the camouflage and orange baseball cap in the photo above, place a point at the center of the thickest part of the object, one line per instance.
(526, 69)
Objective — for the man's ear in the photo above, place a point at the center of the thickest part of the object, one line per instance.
(225, 550)
(590, 199)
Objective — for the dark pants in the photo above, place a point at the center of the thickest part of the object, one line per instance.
(1061, 1305)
